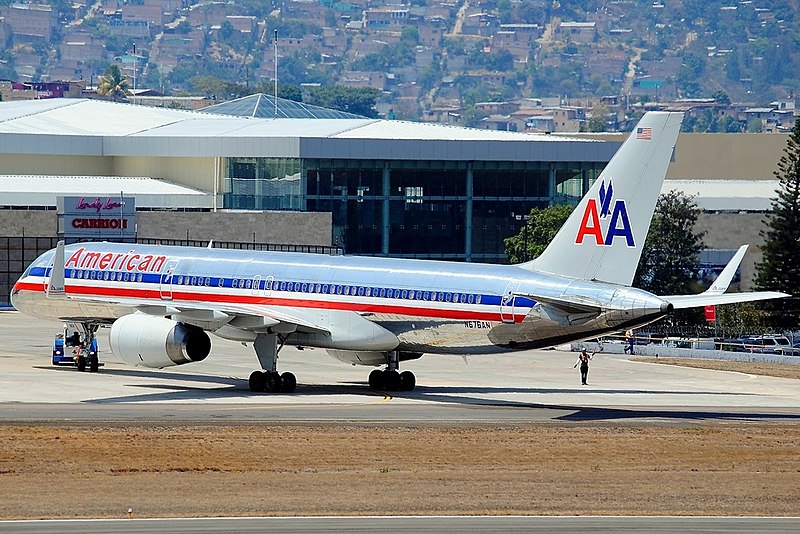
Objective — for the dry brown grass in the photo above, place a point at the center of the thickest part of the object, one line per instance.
(753, 368)
(80, 471)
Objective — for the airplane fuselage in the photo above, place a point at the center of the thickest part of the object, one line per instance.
(430, 306)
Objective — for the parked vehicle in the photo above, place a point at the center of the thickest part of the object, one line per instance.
(701, 343)
(69, 349)
(769, 344)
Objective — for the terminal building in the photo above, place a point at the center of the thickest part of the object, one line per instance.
(256, 170)
(393, 188)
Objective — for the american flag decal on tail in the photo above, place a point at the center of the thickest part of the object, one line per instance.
(644, 133)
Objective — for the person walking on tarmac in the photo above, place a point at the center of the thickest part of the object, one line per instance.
(583, 360)
(628, 341)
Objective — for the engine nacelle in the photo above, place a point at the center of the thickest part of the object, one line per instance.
(148, 341)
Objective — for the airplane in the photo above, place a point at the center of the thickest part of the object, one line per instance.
(162, 301)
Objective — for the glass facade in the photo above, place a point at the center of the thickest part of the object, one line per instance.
(264, 184)
(411, 208)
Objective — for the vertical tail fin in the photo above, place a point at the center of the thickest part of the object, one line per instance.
(603, 238)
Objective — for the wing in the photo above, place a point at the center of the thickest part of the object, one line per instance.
(254, 318)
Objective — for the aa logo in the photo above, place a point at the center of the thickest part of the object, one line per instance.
(605, 221)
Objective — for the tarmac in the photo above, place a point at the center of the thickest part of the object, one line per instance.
(479, 387)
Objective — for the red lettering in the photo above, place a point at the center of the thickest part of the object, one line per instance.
(114, 224)
(590, 224)
(105, 260)
(75, 258)
(145, 265)
(90, 260)
(159, 263)
(131, 265)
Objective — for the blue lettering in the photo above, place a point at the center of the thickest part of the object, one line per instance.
(620, 225)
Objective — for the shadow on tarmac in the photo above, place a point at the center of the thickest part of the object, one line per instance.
(233, 388)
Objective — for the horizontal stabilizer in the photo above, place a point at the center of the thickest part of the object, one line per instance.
(716, 293)
(703, 299)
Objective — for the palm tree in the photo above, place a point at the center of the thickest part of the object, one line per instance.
(113, 83)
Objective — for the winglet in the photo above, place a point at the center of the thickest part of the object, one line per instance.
(722, 282)
(55, 284)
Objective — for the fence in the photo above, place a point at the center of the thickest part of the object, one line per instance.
(17, 252)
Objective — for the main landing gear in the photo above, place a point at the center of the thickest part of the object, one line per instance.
(390, 379)
(268, 379)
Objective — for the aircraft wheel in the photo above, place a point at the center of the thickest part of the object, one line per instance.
(376, 379)
(94, 363)
(81, 363)
(289, 382)
(392, 380)
(407, 381)
(257, 381)
(273, 383)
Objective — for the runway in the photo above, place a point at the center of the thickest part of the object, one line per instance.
(516, 388)
(459, 525)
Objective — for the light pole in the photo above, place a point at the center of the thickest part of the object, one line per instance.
(524, 219)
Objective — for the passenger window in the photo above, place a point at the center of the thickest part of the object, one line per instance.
(477, 299)
(383, 292)
(139, 277)
(249, 284)
(361, 291)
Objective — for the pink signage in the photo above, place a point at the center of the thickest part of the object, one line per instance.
(98, 204)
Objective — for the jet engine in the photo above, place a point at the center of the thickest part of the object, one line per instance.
(148, 341)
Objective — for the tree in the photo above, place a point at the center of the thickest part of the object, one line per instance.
(358, 100)
(721, 97)
(779, 269)
(113, 83)
(209, 86)
(670, 262)
(540, 228)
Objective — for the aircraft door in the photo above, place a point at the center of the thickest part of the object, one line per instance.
(167, 275)
(507, 302)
